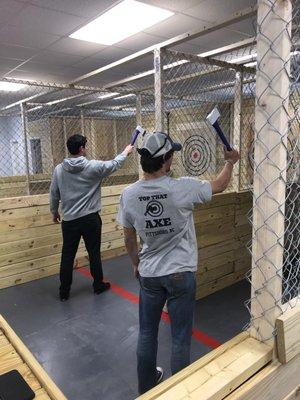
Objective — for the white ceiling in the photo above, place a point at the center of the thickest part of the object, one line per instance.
(34, 42)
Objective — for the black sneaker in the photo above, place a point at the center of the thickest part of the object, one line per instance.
(64, 296)
(102, 288)
(159, 374)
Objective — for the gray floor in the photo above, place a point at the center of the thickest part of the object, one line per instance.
(87, 345)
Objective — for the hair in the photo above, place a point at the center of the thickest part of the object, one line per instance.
(74, 143)
(154, 164)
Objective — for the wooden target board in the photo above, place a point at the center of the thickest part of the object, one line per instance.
(196, 155)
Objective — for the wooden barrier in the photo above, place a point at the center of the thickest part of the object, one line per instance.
(15, 355)
(223, 231)
(30, 244)
(13, 186)
(240, 369)
(288, 335)
(274, 382)
(217, 374)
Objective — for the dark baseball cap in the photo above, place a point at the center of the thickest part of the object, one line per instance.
(158, 144)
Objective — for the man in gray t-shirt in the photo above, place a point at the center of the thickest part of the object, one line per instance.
(160, 210)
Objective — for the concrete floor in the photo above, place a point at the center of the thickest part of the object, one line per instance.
(87, 345)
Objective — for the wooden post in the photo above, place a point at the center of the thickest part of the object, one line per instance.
(237, 109)
(139, 122)
(65, 135)
(158, 90)
(270, 159)
(24, 125)
(82, 122)
(115, 139)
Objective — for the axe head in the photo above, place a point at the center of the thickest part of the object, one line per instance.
(140, 130)
(213, 116)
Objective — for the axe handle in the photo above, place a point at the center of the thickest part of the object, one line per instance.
(222, 136)
(134, 137)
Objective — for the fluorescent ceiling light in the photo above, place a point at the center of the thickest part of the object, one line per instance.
(124, 96)
(128, 109)
(252, 57)
(243, 58)
(120, 22)
(11, 87)
(35, 108)
(175, 64)
(108, 95)
(250, 64)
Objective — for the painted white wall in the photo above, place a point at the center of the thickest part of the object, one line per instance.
(11, 131)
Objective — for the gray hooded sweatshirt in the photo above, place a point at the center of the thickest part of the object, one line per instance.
(76, 182)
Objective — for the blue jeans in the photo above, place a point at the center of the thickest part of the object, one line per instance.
(179, 290)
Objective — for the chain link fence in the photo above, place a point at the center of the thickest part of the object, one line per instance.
(274, 158)
(37, 120)
(191, 87)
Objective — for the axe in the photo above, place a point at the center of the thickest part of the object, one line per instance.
(136, 133)
(212, 118)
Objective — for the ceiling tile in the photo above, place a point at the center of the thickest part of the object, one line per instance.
(134, 67)
(37, 76)
(140, 41)
(176, 25)
(48, 57)
(89, 9)
(111, 54)
(9, 9)
(216, 10)
(17, 52)
(40, 68)
(8, 63)
(216, 39)
(247, 27)
(186, 48)
(26, 37)
(77, 47)
(49, 21)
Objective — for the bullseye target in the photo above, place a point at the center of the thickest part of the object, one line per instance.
(154, 209)
(196, 155)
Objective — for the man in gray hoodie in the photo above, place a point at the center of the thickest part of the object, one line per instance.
(76, 182)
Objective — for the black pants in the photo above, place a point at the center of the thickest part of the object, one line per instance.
(89, 227)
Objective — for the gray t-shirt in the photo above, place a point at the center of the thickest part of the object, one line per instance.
(161, 212)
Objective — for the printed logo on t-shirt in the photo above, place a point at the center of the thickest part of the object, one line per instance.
(154, 210)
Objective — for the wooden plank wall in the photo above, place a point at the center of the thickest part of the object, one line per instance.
(223, 231)
(12, 186)
(30, 244)
(288, 335)
(217, 374)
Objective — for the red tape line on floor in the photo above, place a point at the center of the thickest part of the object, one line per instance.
(125, 294)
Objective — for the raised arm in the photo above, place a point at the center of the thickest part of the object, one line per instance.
(221, 182)
(108, 167)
